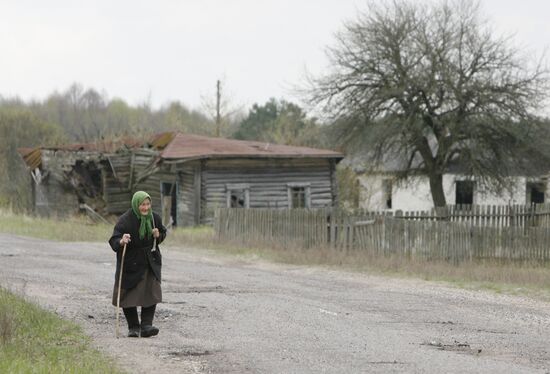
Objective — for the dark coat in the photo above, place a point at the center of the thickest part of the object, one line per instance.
(138, 252)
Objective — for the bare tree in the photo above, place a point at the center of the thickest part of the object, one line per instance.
(222, 111)
(430, 84)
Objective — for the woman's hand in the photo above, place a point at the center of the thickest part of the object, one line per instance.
(125, 239)
(156, 233)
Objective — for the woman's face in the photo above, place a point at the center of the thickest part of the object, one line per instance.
(144, 207)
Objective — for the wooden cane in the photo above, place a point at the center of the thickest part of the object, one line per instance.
(118, 294)
(154, 239)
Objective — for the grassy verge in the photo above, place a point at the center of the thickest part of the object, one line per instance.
(521, 279)
(510, 278)
(74, 229)
(36, 341)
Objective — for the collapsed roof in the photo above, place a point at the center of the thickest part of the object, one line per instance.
(178, 146)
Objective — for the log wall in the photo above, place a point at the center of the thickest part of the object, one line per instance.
(188, 205)
(202, 185)
(268, 181)
(116, 193)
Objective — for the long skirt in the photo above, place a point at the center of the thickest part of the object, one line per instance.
(146, 293)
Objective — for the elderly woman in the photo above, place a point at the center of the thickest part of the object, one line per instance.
(140, 285)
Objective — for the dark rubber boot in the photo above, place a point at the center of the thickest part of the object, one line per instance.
(147, 331)
(147, 328)
(132, 318)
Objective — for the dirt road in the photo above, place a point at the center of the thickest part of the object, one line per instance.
(225, 316)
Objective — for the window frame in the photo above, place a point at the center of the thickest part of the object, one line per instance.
(473, 182)
(174, 202)
(534, 184)
(245, 187)
(307, 194)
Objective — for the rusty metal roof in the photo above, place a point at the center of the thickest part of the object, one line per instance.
(160, 141)
(99, 146)
(175, 145)
(187, 146)
(31, 156)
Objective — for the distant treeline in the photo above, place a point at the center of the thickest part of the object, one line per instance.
(87, 115)
(81, 115)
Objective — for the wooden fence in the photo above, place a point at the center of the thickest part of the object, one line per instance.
(382, 234)
(297, 228)
(477, 215)
(447, 240)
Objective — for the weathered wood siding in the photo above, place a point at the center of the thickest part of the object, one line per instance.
(188, 205)
(202, 184)
(116, 193)
(129, 168)
(53, 197)
(144, 176)
(268, 181)
(381, 234)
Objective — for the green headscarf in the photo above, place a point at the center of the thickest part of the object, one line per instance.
(145, 221)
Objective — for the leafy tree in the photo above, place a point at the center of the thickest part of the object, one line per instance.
(279, 122)
(259, 121)
(176, 116)
(20, 128)
(349, 191)
(430, 84)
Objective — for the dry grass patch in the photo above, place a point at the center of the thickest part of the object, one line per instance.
(514, 278)
(61, 229)
(199, 236)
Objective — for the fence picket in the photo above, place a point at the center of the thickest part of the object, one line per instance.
(461, 233)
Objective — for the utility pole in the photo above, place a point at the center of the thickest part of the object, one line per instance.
(218, 116)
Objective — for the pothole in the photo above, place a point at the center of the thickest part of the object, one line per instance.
(395, 362)
(208, 289)
(167, 314)
(198, 289)
(190, 352)
(454, 347)
(497, 332)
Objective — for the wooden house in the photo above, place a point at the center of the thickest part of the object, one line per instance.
(68, 178)
(190, 175)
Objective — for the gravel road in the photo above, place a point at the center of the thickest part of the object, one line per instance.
(223, 315)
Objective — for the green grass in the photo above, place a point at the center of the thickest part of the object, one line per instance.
(33, 340)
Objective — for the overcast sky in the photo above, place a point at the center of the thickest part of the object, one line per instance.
(176, 50)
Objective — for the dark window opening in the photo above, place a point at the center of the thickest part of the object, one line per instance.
(464, 193)
(298, 196)
(238, 195)
(237, 199)
(387, 187)
(536, 192)
(85, 178)
(169, 204)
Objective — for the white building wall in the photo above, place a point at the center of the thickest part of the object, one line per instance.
(414, 194)
(370, 193)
